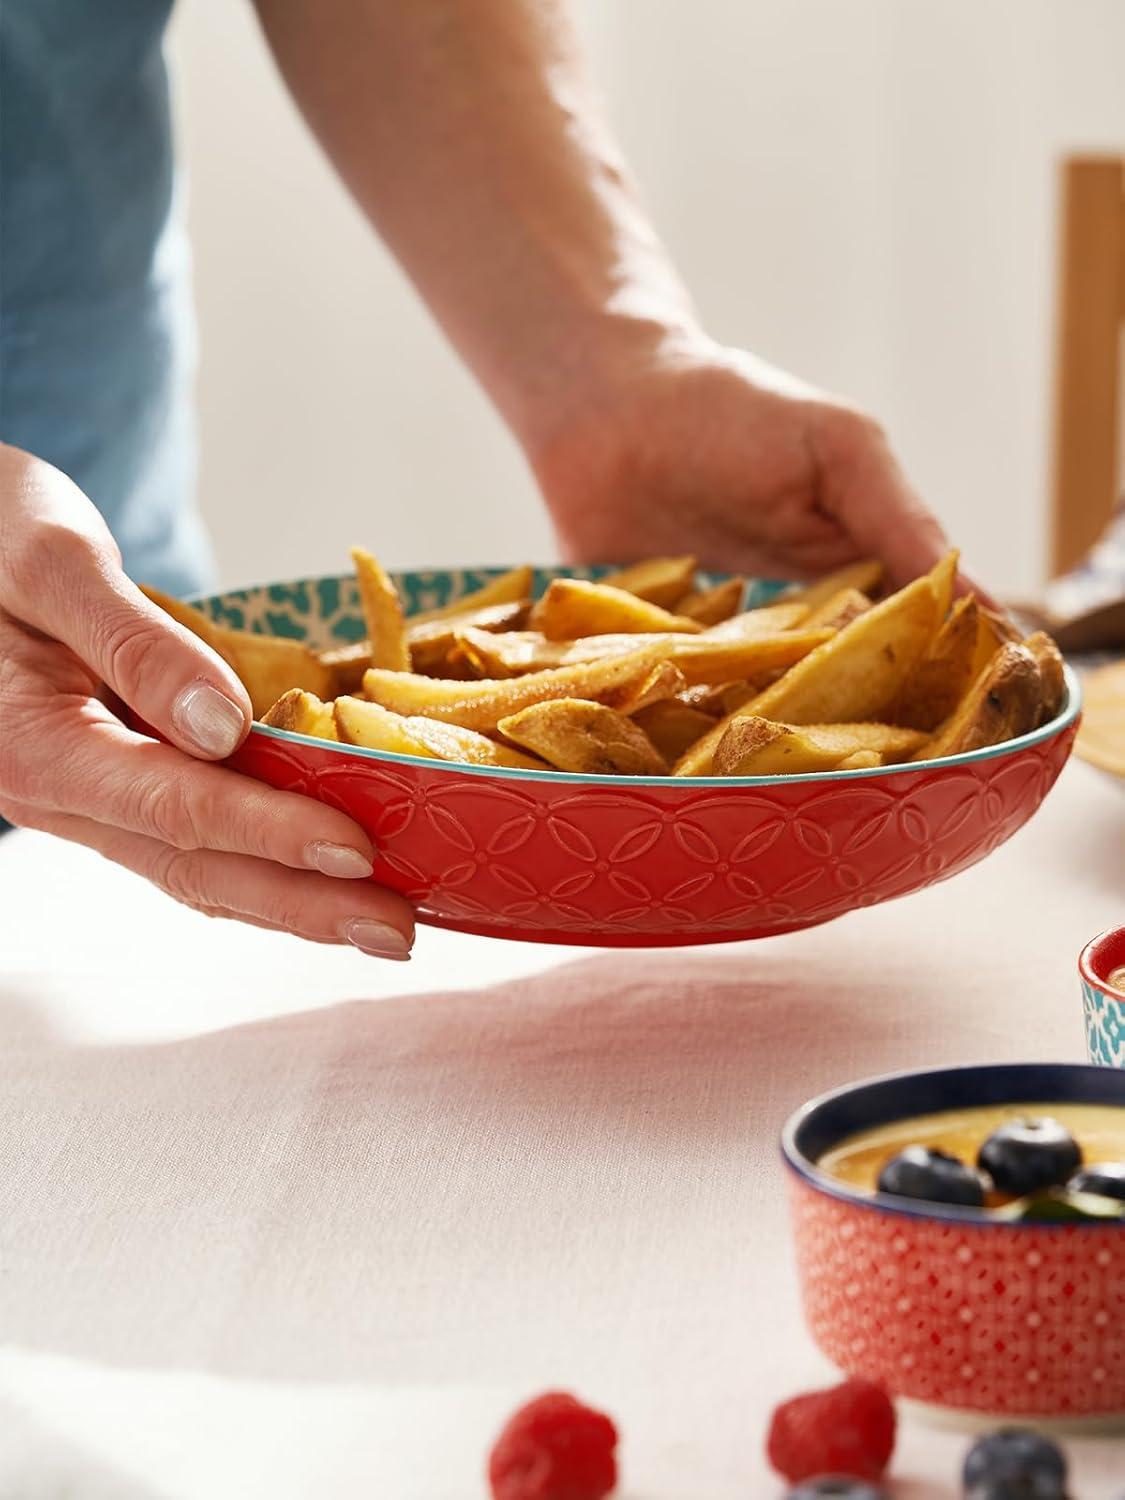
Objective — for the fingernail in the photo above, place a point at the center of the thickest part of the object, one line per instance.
(208, 718)
(379, 939)
(338, 860)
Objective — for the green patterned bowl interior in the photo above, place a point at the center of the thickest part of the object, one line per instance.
(326, 612)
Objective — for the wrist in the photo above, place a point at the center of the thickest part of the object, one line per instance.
(586, 382)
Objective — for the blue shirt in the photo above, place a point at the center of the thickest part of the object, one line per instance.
(96, 329)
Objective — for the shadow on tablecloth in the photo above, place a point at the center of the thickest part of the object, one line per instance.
(394, 1189)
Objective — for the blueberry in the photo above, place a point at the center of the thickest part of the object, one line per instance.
(1107, 1180)
(937, 1177)
(1016, 1489)
(836, 1487)
(1024, 1156)
(1014, 1464)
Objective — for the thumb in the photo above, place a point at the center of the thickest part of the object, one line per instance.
(174, 680)
(61, 573)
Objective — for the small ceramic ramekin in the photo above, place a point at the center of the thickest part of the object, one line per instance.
(1103, 1002)
(952, 1307)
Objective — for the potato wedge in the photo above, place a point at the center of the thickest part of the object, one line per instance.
(302, 713)
(433, 643)
(382, 613)
(712, 606)
(817, 747)
(1052, 683)
(889, 741)
(943, 676)
(375, 728)
(768, 619)
(1002, 703)
(572, 608)
(660, 580)
(861, 760)
(266, 665)
(192, 619)
(703, 658)
(507, 588)
(853, 676)
(663, 682)
(672, 726)
(481, 705)
(574, 734)
(753, 746)
(270, 665)
(346, 665)
(840, 610)
(865, 576)
(993, 631)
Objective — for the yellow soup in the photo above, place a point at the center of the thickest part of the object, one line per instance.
(1117, 978)
(1098, 1128)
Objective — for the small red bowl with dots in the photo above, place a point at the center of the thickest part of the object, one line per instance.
(1009, 1310)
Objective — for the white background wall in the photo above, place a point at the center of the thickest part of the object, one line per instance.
(862, 190)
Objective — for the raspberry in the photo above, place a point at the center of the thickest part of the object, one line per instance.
(554, 1448)
(848, 1430)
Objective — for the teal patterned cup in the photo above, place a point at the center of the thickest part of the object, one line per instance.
(1101, 967)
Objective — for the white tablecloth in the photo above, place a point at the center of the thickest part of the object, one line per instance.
(281, 1221)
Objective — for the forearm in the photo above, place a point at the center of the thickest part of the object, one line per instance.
(467, 131)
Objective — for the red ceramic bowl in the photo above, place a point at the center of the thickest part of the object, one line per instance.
(943, 1305)
(637, 861)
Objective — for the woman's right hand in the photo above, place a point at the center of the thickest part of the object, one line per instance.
(71, 621)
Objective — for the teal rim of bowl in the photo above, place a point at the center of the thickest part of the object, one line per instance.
(1062, 720)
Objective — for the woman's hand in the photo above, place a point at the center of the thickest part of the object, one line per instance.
(70, 621)
(710, 451)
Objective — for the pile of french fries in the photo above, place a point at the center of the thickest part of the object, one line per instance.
(647, 673)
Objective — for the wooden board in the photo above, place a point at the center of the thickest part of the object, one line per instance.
(1101, 739)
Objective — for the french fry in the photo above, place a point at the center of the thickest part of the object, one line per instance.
(266, 665)
(1003, 702)
(853, 676)
(840, 610)
(572, 608)
(481, 705)
(660, 580)
(720, 699)
(672, 726)
(376, 728)
(302, 713)
(574, 734)
(1052, 683)
(382, 613)
(712, 606)
(703, 658)
(941, 679)
(865, 576)
(507, 588)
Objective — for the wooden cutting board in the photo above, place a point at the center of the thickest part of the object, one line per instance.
(1101, 739)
